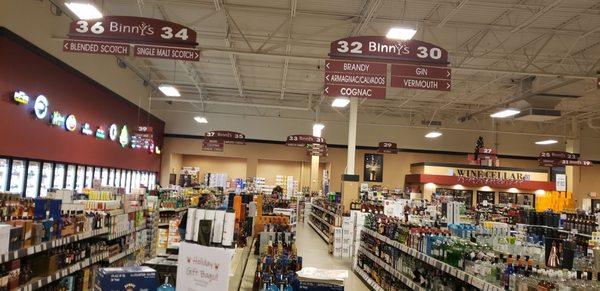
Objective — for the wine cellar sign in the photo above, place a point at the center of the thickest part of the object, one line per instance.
(151, 38)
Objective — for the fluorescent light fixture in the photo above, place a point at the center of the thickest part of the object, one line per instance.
(486, 188)
(433, 134)
(546, 142)
(169, 90)
(200, 119)
(505, 113)
(84, 10)
(340, 102)
(401, 33)
(318, 129)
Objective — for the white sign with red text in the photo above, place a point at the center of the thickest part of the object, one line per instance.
(203, 268)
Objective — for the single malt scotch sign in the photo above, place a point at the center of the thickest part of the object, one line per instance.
(152, 38)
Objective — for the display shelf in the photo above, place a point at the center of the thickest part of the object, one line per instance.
(50, 245)
(321, 220)
(123, 254)
(367, 279)
(455, 272)
(325, 210)
(39, 282)
(403, 278)
(552, 227)
(173, 209)
(125, 232)
(321, 234)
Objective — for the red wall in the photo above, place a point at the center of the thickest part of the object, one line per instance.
(27, 68)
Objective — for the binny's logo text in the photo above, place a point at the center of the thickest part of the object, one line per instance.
(397, 49)
(141, 29)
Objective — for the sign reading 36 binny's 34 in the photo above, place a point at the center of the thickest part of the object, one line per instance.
(130, 29)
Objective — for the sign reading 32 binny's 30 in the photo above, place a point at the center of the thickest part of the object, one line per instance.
(382, 48)
(130, 29)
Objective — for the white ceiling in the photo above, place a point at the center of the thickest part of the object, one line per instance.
(265, 58)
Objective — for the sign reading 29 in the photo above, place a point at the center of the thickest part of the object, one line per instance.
(135, 30)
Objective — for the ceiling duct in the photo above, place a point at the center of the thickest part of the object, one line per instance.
(540, 107)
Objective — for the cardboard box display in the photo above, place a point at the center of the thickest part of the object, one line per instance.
(4, 238)
(16, 238)
(126, 278)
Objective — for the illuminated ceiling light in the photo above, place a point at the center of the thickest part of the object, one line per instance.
(505, 113)
(340, 102)
(433, 134)
(169, 90)
(486, 188)
(546, 142)
(318, 129)
(84, 10)
(401, 33)
(200, 119)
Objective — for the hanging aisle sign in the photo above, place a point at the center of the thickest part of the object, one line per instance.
(316, 149)
(559, 159)
(212, 145)
(387, 148)
(228, 137)
(421, 77)
(131, 29)
(152, 38)
(301, 140)
(355, 79)
(389, 50)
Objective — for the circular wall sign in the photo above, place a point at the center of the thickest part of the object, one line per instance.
(40, 107)
(71, 123)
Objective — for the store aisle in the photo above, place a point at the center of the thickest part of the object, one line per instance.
(313, 250)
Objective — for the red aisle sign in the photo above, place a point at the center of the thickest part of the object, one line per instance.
(212, 145)
(229, 137)
(383, 48)
(419, 83)
(559, 155)
(355, 79)
(132, 29)
(301, 140)
(388, 147)
(421, 71)
(559, 163)
(163, 52)
(95, 47)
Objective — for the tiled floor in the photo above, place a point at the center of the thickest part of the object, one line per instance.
(313, 250)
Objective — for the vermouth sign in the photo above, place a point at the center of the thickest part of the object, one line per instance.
(382, 48)
(130, 29)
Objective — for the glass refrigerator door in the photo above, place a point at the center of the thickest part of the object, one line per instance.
(145, 179)
(46, 179)
(33, 179)
(111, 178)
(80, 178)
(59, 176)
(17, 177)
(152, 181)
(97, 173)
(3, 174)
(124, 179)
(135, 180)
(89, 176)
(70, 177)
(117, 178)
(128, 183)
(104, 176)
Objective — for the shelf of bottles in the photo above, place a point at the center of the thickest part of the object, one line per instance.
(446, 268)
(323, 218)
(277, 264)
(392, 270)
(363, 275)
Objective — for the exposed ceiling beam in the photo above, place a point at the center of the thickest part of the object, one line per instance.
(452, 13)
(530, 20)
(240, 104)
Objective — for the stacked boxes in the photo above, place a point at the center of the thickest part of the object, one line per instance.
(337, 241)
(359, 217)
(347, 236)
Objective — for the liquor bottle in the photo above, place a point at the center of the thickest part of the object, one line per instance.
(166, 286)
(508, 272)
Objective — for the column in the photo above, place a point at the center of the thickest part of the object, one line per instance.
(350, 180)
(573, 145)
(314, 162)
